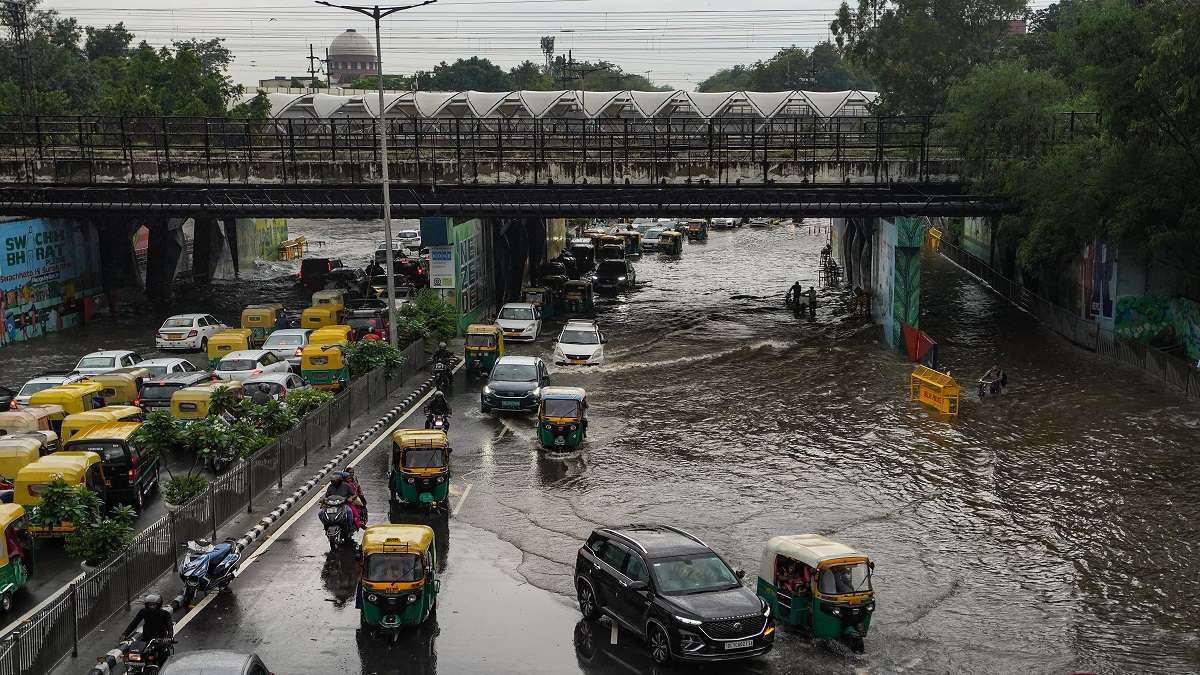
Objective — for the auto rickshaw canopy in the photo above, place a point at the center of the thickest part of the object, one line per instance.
(16, 453)
(191, 403)
(562, 404)
(70, 466)
(14, 421)
(9, 514)
(320, 317)
(74, 397)
(335, 334)
(77, 423)
(321, 357)
(330, 297)
(811, 549)
(120, 387)
(47, 439)
(397, 539)
(420, 438)
(261, 316)
(228, 341)
(484, 336)
(110, 431)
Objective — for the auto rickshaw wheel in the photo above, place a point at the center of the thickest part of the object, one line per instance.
(856, 645)
(6, 603)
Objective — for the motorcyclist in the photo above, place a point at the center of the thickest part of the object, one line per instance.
(442, 355)
(338, 487)
(437, 405)
(155, 621)
(352, 481)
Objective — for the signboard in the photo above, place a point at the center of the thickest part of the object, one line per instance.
(441, 267)
(47, 269)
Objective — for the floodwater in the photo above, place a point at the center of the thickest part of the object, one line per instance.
(1050, 530)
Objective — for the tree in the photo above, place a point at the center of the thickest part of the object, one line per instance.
(390, 82)
(108, 42)
(529, 76)
(464, 74)
(821, 69)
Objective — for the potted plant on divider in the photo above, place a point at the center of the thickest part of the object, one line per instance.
(367, 355)
(303, 401)
(99, 537)
(160, 435)
(63, 503)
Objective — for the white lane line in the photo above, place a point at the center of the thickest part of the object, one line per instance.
(463, 498)
(387, 434)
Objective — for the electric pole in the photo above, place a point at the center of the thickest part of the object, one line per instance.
(313, 68)
(16, 17)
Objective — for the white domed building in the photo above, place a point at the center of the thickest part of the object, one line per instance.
(351, 56)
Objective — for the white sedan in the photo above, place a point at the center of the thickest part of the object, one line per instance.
(187, 331)
(167, 366)
(519, 321)
(246, 363)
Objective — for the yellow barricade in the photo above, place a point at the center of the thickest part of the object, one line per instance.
(933, 239)
(935, 389)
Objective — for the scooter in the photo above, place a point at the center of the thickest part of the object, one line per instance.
(206, 567)
(146, 658)
(338, 519)
(438, 422)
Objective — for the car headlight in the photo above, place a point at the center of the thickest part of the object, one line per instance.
(372, 597)
(537, 391)
(549, 426)
(687, 621)
(836, 611)
(527, 329)
(487, 389)
(766, 610)
(574, 427)
(870, 607)
(620, 278)
(441, 479)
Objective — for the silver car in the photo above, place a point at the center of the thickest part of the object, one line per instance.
(287, 343)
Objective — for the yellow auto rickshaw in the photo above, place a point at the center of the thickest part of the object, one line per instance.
(15, 453)
(15, 544)
(670, 243)
(78, 423)
(71, 398)
(330, 297)
(260, 321)
(578, 298)
(225, 343)
(76, 468)
(46, 440)
(193, 403)
(123, 386)
(484, 344)
(398, 583)
(321, 316)
(633, 242)
(323, 360)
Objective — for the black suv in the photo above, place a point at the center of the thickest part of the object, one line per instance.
(673, 590)
(156, 392)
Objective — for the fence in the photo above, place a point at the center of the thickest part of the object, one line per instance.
(1164, 366)
(54, 631)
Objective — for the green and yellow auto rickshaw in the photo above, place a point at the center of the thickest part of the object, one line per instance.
(193, 403)
(539, 297)
(697, 229)
(123, 386)
(633, 242)
(322, 316)
(562, 417)
(76, 468)
(577, 298)
(398, 583)
(15, 544)
(670, 243)
(819, 585)
(483, 345)
(420, 468)
(260, 321)
(323, 360)
(227, 342)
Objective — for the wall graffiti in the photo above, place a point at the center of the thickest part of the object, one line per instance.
(1160, 321)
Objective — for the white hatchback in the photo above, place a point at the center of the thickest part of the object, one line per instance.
(580, 344)
(246, 363)
(519, 321)
(98, 363)
(187, 331)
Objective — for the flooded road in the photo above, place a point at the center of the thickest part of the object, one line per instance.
(1053, 529)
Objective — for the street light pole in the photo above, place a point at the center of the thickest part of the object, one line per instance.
(377, 13)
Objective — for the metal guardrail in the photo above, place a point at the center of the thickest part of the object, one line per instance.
(1163, 366)
(38, 644)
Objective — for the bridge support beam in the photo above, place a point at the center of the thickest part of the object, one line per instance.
(118, 261)
(208, 245)
(163, 252)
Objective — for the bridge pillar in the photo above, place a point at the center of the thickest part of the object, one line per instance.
(231, 236)
(163, 252)
(882, 256)
(208, 244)
(118, 261)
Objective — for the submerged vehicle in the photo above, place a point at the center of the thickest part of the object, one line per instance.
(818, 585)
(562, 417)
(398, 583)
(670, 243)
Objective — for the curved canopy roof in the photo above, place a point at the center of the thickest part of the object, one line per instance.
(580, 104)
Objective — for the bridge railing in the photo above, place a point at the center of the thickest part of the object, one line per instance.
(140, 149)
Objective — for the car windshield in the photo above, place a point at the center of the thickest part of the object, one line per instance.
(32, 388)
(653, 233)
(278, 340)
(612, 267)
(481, 341)
(159, 392)
(109, 451)
(837, 579)
(560, 407)
(394, 567)
(512, 372)
(697, 574)
(273, 388)
(517, 313)
(156, 369)
(580, 337)
(236, 364)
(178, 322)
(96, 362)
(424, 458)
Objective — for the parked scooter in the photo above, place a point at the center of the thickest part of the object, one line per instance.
(207, 567)
(147, 658)
(338, 519)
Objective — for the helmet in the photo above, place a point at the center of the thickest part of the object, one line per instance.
(437, 394)
(441, 345)
(153, 599)
(336, 478)
(349, 472)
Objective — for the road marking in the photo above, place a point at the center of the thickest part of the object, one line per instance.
(612, 636)
(387, 434)
(463, 498)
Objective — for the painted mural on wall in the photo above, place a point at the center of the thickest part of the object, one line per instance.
(1160, 321)
(906, 284)
(472, 258)
(49, 275)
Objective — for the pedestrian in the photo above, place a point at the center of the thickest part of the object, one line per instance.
(794, 294)
(812, 301)
(261, 395)
(281, 320)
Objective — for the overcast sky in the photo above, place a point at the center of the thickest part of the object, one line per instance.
(675, 42)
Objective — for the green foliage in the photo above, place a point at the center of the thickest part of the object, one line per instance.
(427, 316)
(99, 537)
(180, 490)
(473, 73)
(224, 400)
(821, 69)
(303, 401)
(64, 503)
(367, 355)
(272, 418)
(158, 435)
(392, 82)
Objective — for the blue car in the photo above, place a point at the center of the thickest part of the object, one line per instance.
(514, 385)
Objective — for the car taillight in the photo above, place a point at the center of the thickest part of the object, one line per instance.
(137, 401)
(298, 350)
(330, 266)
(420, 270)
(192, 333)
(132, 474)
(258, 372)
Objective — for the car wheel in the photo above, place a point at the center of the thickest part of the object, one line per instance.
(588, 606)
(484, 409)
(204, 345)
(659, 646)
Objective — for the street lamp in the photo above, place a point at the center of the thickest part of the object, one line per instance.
(376, 12)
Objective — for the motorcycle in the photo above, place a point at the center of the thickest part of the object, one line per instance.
(438, 422)
(441, 375)
(338, 519)
(221, 460)
(145, 658)
(206, 567)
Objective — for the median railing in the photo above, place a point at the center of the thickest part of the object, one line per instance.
(39, 643)
(1169, 368)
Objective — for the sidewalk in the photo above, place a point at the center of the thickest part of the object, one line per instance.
(263, 513)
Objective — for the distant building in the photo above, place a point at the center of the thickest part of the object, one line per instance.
(351, 56)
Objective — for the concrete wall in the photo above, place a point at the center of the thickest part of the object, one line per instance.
(883, 257)
(976, 238)
(50, 276)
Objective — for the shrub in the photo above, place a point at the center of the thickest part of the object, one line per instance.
(427, 316)
(367, 355)
(179, 490)
(99, 537)
(272, 418)
(64, 503)
(303, 401)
